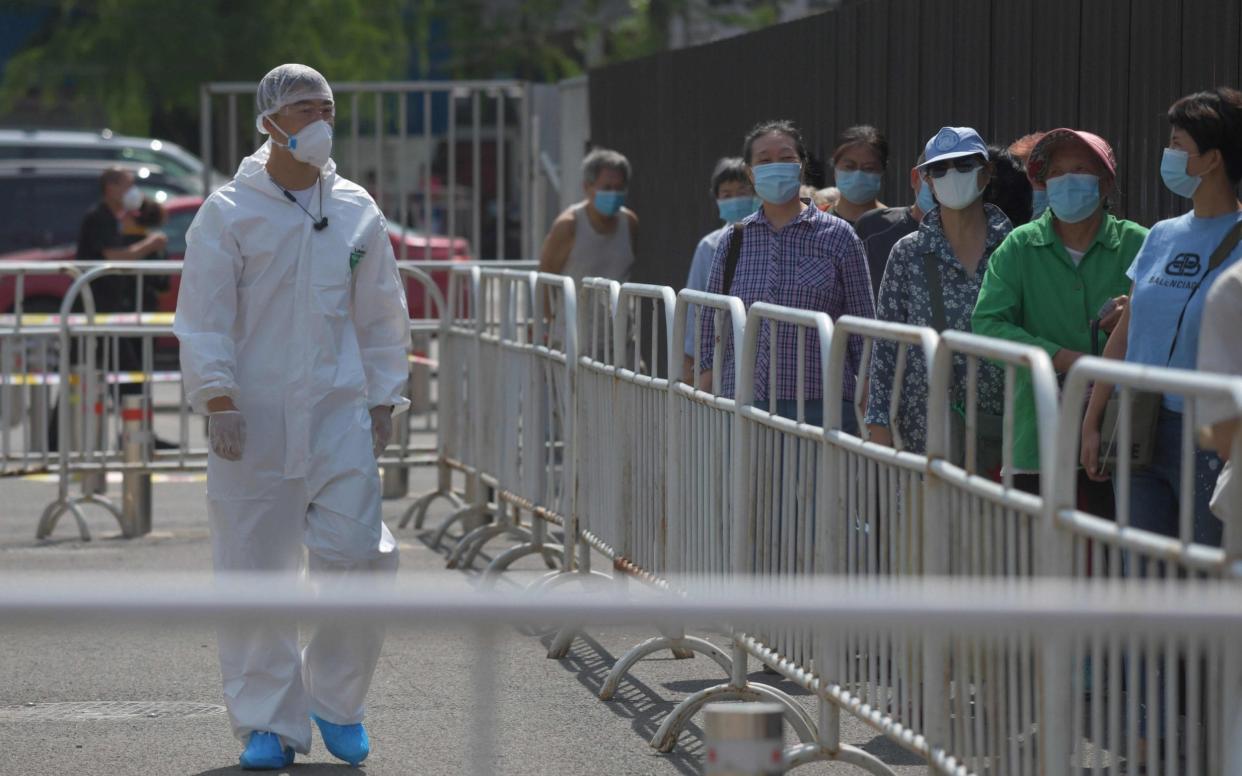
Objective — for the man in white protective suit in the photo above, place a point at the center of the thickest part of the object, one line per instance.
(294, 337)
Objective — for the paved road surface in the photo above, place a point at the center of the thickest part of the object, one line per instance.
(154, 693)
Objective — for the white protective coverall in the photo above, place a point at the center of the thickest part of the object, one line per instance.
(306, 331)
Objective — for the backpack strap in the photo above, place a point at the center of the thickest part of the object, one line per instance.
(731, 259)
(935, 292)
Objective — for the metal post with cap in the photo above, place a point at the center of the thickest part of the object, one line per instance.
(136, 437)
(744, 739)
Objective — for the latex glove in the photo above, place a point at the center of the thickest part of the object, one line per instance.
(381, 429)
(227, 430)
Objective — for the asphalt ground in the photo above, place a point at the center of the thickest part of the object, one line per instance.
(77, 700)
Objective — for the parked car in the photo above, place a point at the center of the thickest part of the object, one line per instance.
(44, 293)
(45, 144)
(43, 201)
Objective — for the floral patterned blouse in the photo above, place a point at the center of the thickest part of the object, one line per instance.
(904, 298)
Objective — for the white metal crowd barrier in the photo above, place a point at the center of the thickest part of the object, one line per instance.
(77, 404)
(29, 350)
(823, 501)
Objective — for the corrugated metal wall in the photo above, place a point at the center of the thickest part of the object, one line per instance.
(1006, 67)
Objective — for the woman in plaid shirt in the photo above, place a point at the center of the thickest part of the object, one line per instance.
(794, 255)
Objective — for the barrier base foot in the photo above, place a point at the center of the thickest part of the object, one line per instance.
(470, 545)
(417, 512)
(465, 513)
(561, 643)
(685, 645)
(557, 578)
(506, 558)
(55, 510)
(804, 754)
(666, 737)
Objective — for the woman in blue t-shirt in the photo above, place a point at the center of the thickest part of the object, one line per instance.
(1170, 274)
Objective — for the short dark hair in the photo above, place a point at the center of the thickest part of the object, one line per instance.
(730, 169)
(1214, 120)
(782, 127)
(867, 135)
(110, 176)
(1009, 189)
(600, 159)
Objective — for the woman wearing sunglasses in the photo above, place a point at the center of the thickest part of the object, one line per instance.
(1051, 277)
(933, 278)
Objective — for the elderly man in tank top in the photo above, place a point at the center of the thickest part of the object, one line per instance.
(595, 238)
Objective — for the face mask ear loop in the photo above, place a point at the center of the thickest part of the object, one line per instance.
(272, 121)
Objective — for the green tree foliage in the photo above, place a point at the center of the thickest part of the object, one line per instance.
(144, 60)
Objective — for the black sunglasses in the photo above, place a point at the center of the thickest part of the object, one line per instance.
(961, 164)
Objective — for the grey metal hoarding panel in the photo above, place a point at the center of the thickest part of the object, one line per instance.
(1008, 66)
(1104, 96)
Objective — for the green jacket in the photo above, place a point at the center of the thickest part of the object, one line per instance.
(1033, 294)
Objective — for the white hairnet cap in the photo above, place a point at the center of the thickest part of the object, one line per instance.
(286, 85)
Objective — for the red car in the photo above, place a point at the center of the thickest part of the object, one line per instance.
(43, 293)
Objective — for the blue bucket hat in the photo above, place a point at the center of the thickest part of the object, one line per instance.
(952, 143)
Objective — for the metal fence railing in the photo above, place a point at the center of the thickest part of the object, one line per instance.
(570, 416)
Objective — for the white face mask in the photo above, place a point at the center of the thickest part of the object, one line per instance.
(132, 198)
(312, 145)
(957, 190)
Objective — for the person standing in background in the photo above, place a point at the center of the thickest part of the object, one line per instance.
(859, 161)
(880, 229)
(789, 254)
(1160, 326)
(1020, 149)
(735, 199)
(1049, 278)
(597, 236)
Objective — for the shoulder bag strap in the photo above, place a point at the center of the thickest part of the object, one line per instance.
(935, 292)
(731, 259)
(1218, 257)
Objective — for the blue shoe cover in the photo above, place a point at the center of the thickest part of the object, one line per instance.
(345, 742)
(264, 753)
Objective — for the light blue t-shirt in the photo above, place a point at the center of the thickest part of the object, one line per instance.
(1172, 260)
(700, 272)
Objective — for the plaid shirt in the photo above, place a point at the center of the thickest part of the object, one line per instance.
(815, 262)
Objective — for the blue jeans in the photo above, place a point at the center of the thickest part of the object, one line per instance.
(813, 409)
(1155, 490)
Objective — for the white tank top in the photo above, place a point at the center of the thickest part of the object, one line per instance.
(599, 255)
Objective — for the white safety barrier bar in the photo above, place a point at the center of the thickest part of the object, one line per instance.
(1199, 622)
(114, 356)
(1153, 700)
(599, 501)
(872, 528)
(459, 432)
(697, 510)
(29, 353)
(980, 697)
(781, 492)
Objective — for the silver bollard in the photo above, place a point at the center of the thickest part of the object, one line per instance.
(136, 435)
(744, 739)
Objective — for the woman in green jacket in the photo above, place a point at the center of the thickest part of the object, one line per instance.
(1050, 278)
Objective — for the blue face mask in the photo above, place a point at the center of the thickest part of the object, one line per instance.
(734, 209)
(1039, 202)
(857, 186)
(778, 182)
(1073, 197)
(926, 200)
(609, 202)
(1173, 172)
